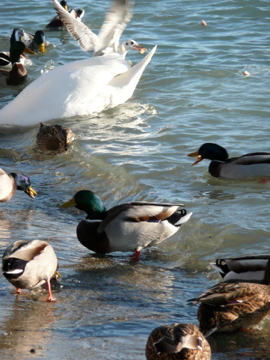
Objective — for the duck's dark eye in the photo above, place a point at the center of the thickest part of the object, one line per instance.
(126, 43)
(132, 42)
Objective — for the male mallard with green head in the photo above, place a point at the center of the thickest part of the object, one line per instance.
(9, 183)
(18, 73)
(237, 168)
(177, 342)
(29, 264)
(35, 42)
(130, 226)
(5, 61)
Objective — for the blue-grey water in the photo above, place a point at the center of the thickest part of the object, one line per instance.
(192, 92)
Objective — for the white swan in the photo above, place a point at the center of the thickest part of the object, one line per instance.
(80, 88)
(84, 87)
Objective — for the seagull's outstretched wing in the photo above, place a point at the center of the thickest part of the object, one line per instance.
(114, 24)
(87, 39)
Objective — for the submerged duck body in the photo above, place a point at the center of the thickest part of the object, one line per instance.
(177, 342)
(55, 138)
(9, 183)
(127, 227)
(237, 168)
(79, 88)
(29, 264)
(246, 268)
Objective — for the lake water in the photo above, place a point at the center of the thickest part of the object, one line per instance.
(192, 92)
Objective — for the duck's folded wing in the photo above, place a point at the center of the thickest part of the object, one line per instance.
(227, 294)
(242, 264)
(87, 39)
(114, 24)
(253, 158)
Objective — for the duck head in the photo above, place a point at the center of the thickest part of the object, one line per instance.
(23, 183)
(88, 201)
(39, 39)
(210, 151)
(16, 49)
(64, 4)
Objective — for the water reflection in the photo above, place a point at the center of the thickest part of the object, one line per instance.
(26, 330)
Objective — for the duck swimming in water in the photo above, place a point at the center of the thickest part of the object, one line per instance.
(18, 73)
(130, 226)
(55, 138)
(232, 305)
(57, 24)
(35, 42)
(243, 167)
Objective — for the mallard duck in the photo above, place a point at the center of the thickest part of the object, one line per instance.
(248, 268)
(5, 57)
(108, 38)
(130, 226)
(57, 24)
(18, 74)
(9, 183)
(243, 167)
(29, 264)
(232, 305)
(177, 342)
(35, 42)
(54, 137)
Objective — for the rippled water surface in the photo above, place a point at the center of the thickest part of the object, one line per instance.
(192, 92)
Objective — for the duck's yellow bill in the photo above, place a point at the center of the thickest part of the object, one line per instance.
(28, 51)
(69, 203)
(42, 48)
(31, 192)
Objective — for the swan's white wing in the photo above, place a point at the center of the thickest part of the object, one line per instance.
(87, 39)
(114, 24)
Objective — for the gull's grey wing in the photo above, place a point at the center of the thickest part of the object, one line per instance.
(116, 20)
(87, 39)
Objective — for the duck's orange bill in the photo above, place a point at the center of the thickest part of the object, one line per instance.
(199, 158)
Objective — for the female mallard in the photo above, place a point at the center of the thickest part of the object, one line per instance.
(54, 138)
(246, 268)
(18, 73)
(35, 42)
(130, 226)
(29, 264)
(9, 183)
(232, 305)
(56, 23)
(243, 167)
(177, 342)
